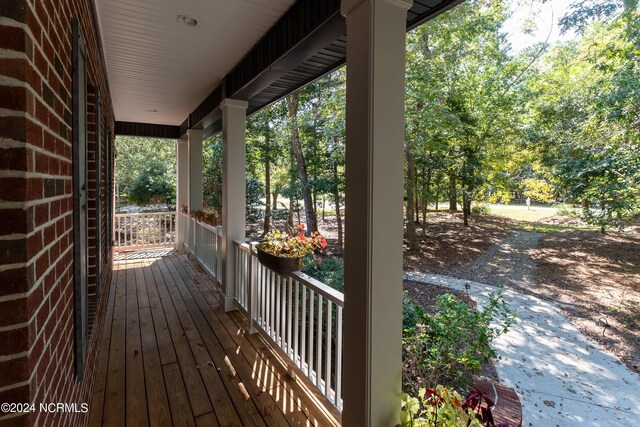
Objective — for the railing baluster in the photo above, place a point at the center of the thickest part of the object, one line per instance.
(296, 326)
(338, 402)
(311, 323)
(283, 317)
(289, 314)
(277, 301)
(319, 343)
(303, 344)
(327, 373)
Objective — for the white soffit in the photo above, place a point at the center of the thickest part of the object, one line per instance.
(155, 62)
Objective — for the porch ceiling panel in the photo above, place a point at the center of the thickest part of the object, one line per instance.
(155, 62)
(255, 50)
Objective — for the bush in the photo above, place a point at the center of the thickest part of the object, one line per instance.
(565, 210)
(480, 208)
(439, 407)
(329, 270)
(450, 346)
(411, 314)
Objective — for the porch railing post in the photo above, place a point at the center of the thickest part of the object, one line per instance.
(234, 117)
(376, 32)
(195, 177)
(182, 197)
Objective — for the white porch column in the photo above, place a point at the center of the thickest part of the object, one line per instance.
(182, 197)
(195, 177)
(234, 125)
(376, 31)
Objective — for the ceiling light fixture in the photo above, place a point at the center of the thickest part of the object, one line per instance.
(187, 20)
(153, 110)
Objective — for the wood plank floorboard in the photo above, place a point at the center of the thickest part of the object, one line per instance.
(171, 356)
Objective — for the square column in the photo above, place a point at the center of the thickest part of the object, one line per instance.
(376, 32)
(234, 127)
(182, 193)
(194, 198)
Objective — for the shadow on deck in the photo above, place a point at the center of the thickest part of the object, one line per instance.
(170, 355)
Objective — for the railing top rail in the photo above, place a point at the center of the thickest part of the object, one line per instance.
(145, 213)
(208, 226)
(328, 292)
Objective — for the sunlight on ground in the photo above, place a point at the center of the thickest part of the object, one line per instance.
(521, 213)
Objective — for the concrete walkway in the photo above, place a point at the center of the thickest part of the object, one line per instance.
(561, 376)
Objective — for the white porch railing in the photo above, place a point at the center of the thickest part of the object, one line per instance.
(208, 247)
(204, 242)
(299, 314)
(144, 230)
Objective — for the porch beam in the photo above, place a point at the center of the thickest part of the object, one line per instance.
(374, 187)
(148, 130)
(182, 194)
(234, 126)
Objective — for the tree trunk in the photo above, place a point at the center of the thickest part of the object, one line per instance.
(466, 208)
(417, 202)
(323, 207)
(315, 202)
(453, 195)
(292, 108)
(274, 196)
(336, 200)
(426, 202)
(267, 192)
(411, 179)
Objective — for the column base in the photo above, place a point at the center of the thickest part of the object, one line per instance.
(230, 304)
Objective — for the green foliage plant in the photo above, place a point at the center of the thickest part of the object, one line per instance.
(328, 270)
(480, 208)
(450, 346)
(439, 407)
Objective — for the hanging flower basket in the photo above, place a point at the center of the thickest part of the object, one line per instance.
(285, 252)
(282, 265)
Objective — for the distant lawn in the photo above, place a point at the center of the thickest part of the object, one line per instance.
(520, 213)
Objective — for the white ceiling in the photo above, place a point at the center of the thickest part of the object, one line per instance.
(155, 62)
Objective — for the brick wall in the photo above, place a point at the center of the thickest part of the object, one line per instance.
(36, 235)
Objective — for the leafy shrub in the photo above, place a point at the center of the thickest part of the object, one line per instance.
(440, 407)
(480, 208)
(411, 314)
(329, 270)
(565, 210)
(450, 346)
(154, 185)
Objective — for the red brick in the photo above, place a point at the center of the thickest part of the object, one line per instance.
(34, 189)
(13, 251)
(41, 163)
(14, 341)
(14, 128)
(33, 133)
(14, 221)
(42, 263)
(41, 213)
(13, 38)
(13, 98)
(14, 370)
(34, 244)
(14, 281)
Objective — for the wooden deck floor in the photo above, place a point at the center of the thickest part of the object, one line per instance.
(171, 356)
